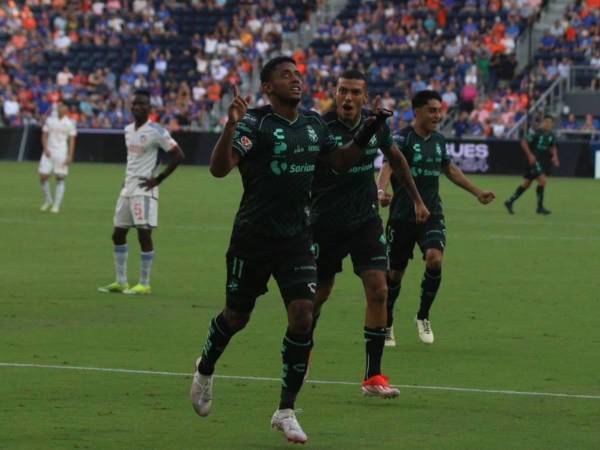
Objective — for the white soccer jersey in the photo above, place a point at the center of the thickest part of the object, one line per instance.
(59, 131)
(143, 145)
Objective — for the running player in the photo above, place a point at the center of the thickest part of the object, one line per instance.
(275, 148)
(345, 220)
(542, 154)
(137, 205)
(425, 151)
(58, 145)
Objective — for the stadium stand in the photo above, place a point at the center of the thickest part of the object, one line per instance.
(93, 54)
(570, 42)
(188, 54)
(460, 48)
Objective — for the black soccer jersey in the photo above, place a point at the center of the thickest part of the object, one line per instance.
(540, 143)
(347, 200)
(426, 158)
(277, 165)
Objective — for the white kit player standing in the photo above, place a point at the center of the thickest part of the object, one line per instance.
(58, 145)
(137, 206)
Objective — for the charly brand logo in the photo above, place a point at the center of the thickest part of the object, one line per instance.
(279, 134)
(417, 156)
(470, 157)
(279, 147)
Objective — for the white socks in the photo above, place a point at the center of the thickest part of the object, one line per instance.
(146, 267)
(46, 190)
(60, 192)
(121, 253)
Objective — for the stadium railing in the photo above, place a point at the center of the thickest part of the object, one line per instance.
(549, 101)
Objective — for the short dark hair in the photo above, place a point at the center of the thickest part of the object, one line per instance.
(354, 74)
(271, 66)
(144, 92)
(421, 98)
(549, 116)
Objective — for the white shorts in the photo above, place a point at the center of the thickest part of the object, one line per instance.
(53, 165)
(140, 211)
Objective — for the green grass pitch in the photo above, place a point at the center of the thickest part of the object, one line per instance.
(517, 311)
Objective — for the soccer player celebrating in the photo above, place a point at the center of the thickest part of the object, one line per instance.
(137, 205)
(275, 148)
(541, 151)
(58, 144)
(346, 221)
(425, 151)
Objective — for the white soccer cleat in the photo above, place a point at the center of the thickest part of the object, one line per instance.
(45, 207)
(285, 421)
(201, 392)
(390, 340)
(55, 209)
(379, 386)
(425, 331)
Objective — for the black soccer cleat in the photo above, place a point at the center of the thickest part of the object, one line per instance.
(509, 206)
(543, 211)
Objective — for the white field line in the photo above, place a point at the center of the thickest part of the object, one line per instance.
(524, 237)
(340, 383)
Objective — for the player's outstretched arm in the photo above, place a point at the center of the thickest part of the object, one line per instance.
(223, 157)
(400, 167)
(344, 158)
(457, 176)
(530, 156)
(383, 180)
(177, 156)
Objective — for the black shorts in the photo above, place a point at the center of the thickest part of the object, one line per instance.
(538, 169)
(402, 237)
(252, 259)
(366, 245)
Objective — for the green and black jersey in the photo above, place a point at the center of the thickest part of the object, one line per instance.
(277, 165)
(347, 200)
(427, 158)
(541, 143)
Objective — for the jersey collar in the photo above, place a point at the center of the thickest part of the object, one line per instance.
(421, 137)
(141, 126)
(289, 122)
(353, 127)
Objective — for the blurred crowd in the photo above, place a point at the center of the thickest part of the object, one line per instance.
(110, 48)
(93, 54)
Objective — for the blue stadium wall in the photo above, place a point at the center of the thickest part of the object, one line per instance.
(473, 156)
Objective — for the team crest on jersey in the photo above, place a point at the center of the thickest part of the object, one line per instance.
(246, 143)
(312, 134)
(373, 141)
(143, 139)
